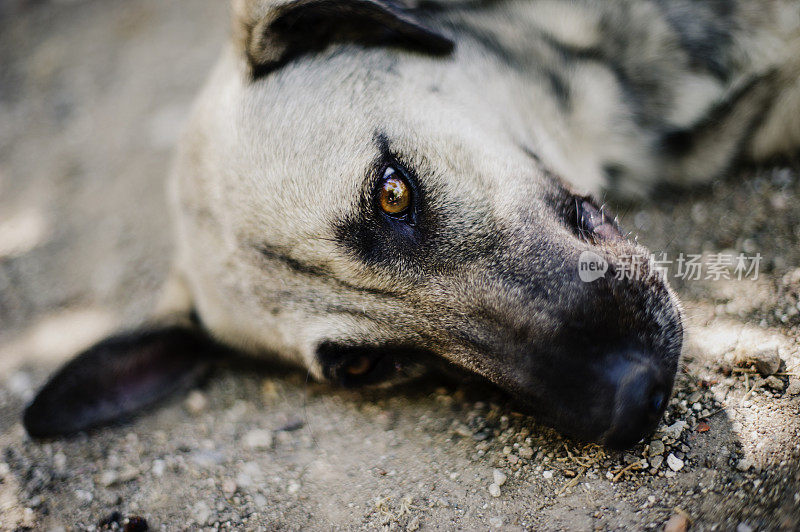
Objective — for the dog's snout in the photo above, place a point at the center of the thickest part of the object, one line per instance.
(641, 390)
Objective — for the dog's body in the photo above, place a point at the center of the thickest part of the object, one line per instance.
(497, 119)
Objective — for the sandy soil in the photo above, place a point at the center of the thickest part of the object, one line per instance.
(92, 96)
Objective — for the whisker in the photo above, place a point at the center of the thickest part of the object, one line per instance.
(305, 408)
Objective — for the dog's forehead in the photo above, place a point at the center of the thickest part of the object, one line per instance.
(308, 135)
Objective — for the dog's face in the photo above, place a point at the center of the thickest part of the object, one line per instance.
(365, 212)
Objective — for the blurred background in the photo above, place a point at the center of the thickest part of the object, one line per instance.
(93, 95)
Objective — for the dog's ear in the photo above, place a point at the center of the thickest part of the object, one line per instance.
(271, 32)
(118, 376)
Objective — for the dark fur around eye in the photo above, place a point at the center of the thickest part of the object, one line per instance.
(377, 237)
(420, 241)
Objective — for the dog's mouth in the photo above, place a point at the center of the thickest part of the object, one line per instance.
(592, 407)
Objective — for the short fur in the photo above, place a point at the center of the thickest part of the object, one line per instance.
(505, 117)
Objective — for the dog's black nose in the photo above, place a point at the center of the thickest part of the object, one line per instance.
(640, 399)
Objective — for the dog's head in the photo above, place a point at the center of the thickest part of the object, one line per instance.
(360, 194)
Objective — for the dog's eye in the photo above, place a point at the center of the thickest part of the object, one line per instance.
(394, 194)
(360, 366)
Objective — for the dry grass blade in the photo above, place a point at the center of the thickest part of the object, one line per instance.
(635, 466)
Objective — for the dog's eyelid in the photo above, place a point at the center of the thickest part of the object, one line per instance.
(391, 166)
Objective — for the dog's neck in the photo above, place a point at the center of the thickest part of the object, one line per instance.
(605, 92)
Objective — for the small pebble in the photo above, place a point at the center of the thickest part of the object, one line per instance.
(525, 452)
(60, 461)
(258, 439)
(744, 527)
(20, 385)
(196, 402)
(158, 467)
(499, 477)
(84, 496)
(496, 522)
(775, 383)
(656, 448)
(111, 520)
(794, 387)
(269, 390)
(228, 487)
(674, 431)
(462, 430)
(202, 513)
(674, 463)
(108, 478)
(677, 523)
(744, 464)
(111, 477)
(494, 490)
(547, 474)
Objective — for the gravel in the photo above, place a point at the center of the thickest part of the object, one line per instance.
(766, 361)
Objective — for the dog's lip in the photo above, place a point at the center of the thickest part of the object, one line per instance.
(621, 438)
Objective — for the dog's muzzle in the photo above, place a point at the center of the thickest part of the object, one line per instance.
(641, 396)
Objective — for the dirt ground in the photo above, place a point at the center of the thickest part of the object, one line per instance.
(92, 96)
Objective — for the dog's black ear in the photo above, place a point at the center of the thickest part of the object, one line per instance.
(118, 376)
(272, 33)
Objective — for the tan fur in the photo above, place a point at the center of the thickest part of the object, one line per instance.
(281, 158)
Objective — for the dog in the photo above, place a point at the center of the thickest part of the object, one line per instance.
(367, 188)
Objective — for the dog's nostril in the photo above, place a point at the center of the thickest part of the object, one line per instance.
(594, 222)
(656, 401)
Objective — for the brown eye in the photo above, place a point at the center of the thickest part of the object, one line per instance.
(395, 193)
(360, 366)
